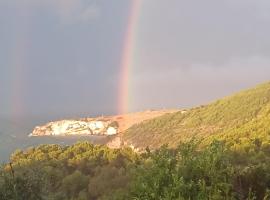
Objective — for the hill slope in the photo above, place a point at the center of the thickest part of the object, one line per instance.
(236, 119)
(125, 121)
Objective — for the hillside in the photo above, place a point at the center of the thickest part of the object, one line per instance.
(237, 119)
(86, 171)
(125, 121)
(96, 126)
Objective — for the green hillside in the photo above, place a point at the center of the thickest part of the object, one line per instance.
(237, 169)
(238, 119)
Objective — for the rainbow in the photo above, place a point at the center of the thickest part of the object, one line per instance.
(16, 105)
(127, 56)
(18, 69)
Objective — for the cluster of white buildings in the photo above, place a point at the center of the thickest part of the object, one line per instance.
(74, 127)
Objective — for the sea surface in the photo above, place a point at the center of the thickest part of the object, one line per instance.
(14, 135)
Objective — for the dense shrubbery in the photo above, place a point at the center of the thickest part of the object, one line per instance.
(238, 168)
(84, 171)
(81, 171)
(186, 173)
(236, 119)
(214, 173)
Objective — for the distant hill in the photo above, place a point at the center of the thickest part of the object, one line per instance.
(236, 119)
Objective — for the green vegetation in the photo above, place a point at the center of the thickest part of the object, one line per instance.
(216, 152)
(239, 119)
(215, 173)
(86, 172)
(81, 171)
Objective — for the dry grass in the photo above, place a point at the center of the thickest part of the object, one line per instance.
(127, 120)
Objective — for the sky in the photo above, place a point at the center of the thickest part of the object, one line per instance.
(62, 58)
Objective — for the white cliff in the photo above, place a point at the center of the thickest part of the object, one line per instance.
(76, 127)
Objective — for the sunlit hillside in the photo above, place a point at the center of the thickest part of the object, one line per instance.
(234, 165)
(237, 119)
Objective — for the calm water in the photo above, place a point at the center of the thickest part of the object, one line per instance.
(15, 136)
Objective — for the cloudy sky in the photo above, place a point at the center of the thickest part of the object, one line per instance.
(61, 58)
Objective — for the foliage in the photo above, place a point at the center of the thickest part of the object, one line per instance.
(231, 161)
(189, 172)
(86, 172)
(81, 171)
(237, 119)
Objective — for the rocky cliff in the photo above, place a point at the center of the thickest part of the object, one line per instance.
(76, 127)
(113, 126)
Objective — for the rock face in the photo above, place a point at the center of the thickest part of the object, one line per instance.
(76, 127)
(114, 126)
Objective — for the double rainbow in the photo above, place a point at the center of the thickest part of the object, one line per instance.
(125, 65)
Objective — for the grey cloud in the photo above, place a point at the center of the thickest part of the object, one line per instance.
(198, 84)
(209, 32)
(68, 11)
(187, 52)
(92, 12)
